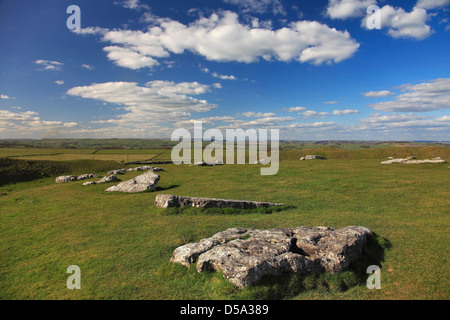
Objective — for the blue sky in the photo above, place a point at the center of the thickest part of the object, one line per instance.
(310, 68)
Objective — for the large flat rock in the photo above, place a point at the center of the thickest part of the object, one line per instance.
(245, 256)
(412, 160)
(63, 179)
(169, 200)
(145, 181)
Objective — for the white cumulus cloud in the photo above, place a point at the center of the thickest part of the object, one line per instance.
(402, 24)
(379, 94)
(221, 37)
(346, 111)
(343, 9)
(432, 4)
(427, 96)
(156, 102)
(49, 64)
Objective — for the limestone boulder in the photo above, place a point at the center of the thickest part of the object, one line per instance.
(62, 179)
(245, 256)
(116, 172)
(313, 157)
(111, 178)
(412, 160)
(145, 181)
(169, 200)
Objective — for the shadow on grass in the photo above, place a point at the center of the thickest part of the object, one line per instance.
(167, 188)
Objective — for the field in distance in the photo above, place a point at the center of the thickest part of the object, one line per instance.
(119, 155)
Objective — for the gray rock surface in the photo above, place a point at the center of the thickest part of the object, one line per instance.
(141, 168)
(261, 161)
(245, 256)
(411, 160)
(169, 200)
(313, 157)
(62, 179)
(111, 178)
(87, 176)
(145, 181)
(118, 171)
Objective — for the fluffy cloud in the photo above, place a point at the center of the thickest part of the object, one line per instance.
(59, 82)
(4, 96)
(28, 123)
(315, 114)
(221, 37)
(128, 58)
(311, 113)
(428, 96)
(402, 24)
(87, 66)
(404, 123)
(157, 102)
(255, 114)
(389, 118)
(49, 64)
(343, 9)
(432, 4)
(218, 75)
(317, 125)
(379, 94)
(295, 109)
(346, 111)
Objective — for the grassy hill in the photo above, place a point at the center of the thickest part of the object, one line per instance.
(123, 244)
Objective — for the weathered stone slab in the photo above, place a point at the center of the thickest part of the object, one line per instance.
(313, 157)
(118, 171)
(411, 160)
(145, 181)
(62, 179)
(245, 256)
(111, 178)
(169, 200)
(187, 254)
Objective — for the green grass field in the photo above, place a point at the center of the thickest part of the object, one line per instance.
(123, 244)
